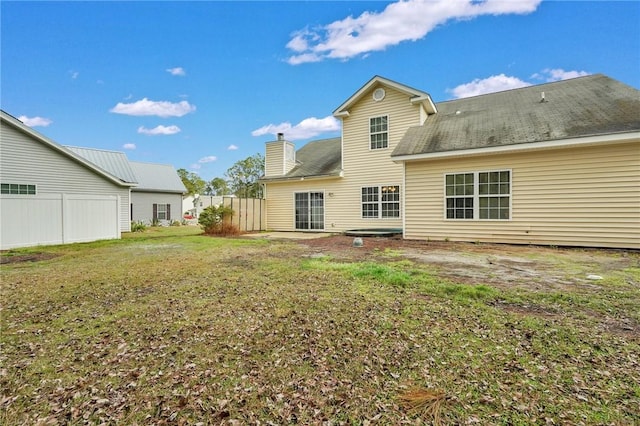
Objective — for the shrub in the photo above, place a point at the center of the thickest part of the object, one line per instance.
(138, 226)
(215, 221)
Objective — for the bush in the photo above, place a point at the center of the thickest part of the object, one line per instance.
(215, 221)
(138, 227)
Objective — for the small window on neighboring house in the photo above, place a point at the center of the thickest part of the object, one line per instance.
(379, 132)
(478, 195)
(17, 189)
(381, 202)
(162, 211)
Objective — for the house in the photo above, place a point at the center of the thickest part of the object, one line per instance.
(193, 205)
(553, 164)
(158, 196)
(51, 195)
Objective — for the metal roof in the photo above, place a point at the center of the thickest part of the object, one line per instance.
(586, 106)
(114, 162)
(157, 178)
(20, 126)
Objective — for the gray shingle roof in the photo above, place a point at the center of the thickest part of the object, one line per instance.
(315, 159)
(580, 107)
(157, 178)
(113, 162)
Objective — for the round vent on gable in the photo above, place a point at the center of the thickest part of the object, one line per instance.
(378, 94)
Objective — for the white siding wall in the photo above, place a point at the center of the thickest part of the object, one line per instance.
(587, 196)
(362, 167)
(24, 160)
(143, 205)
(27, 161)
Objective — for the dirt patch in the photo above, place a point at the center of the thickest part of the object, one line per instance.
(31, 257)
(501, 265)
(530, 268)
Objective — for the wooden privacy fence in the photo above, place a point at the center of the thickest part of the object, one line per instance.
(248, 213)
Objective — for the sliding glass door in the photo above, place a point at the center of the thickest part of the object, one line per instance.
(309, 208)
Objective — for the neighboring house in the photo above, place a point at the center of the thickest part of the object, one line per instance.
(554, 164)
(193, 205)
(158, 195)
(51, 195)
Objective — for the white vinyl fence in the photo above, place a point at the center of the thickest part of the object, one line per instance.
(57, 219)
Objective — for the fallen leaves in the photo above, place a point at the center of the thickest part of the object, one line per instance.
(193, 331)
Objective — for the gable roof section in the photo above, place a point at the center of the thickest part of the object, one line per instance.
(114, 162)
(8, 119)
(157, 178)
(416, 96)
(316, 159)
(580, 110)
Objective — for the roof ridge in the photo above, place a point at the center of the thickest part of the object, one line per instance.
(530, 87)
(95, 149)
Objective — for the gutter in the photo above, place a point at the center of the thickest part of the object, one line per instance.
(610, 138)
(300, 178)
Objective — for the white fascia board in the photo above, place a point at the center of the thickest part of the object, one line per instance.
(300, 178)
(427, 102)
(521, 147)
(419, 96)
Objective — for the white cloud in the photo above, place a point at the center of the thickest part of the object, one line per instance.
(501, 82)
(307, 128)
(408, 20)
(495, 83)
(177, 71)
(232, 148)
(159, 130)
(158, 108)
(35, 121)
(74, 74)
(209, 159)
(558, 74)
(130, 146)
(195, 166)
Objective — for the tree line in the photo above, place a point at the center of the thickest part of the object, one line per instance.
(240, 180)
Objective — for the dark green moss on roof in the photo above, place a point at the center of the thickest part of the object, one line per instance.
(585, 106)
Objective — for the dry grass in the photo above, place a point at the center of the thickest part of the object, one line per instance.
(426, 403)
(172, 327)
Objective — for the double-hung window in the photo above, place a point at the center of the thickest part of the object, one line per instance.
(379, 132)
(478, 195)
(162, 211)
(381, 202)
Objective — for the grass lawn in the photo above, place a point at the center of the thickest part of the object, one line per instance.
(172, 327)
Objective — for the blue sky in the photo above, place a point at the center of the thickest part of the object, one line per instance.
(201, 85)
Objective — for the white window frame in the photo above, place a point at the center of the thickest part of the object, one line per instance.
(477, 197)
(377, 200)
(163, 212)
(18, 188)
(376, 133)
(312, 215)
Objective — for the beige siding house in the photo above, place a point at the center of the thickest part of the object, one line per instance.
(554, 164)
